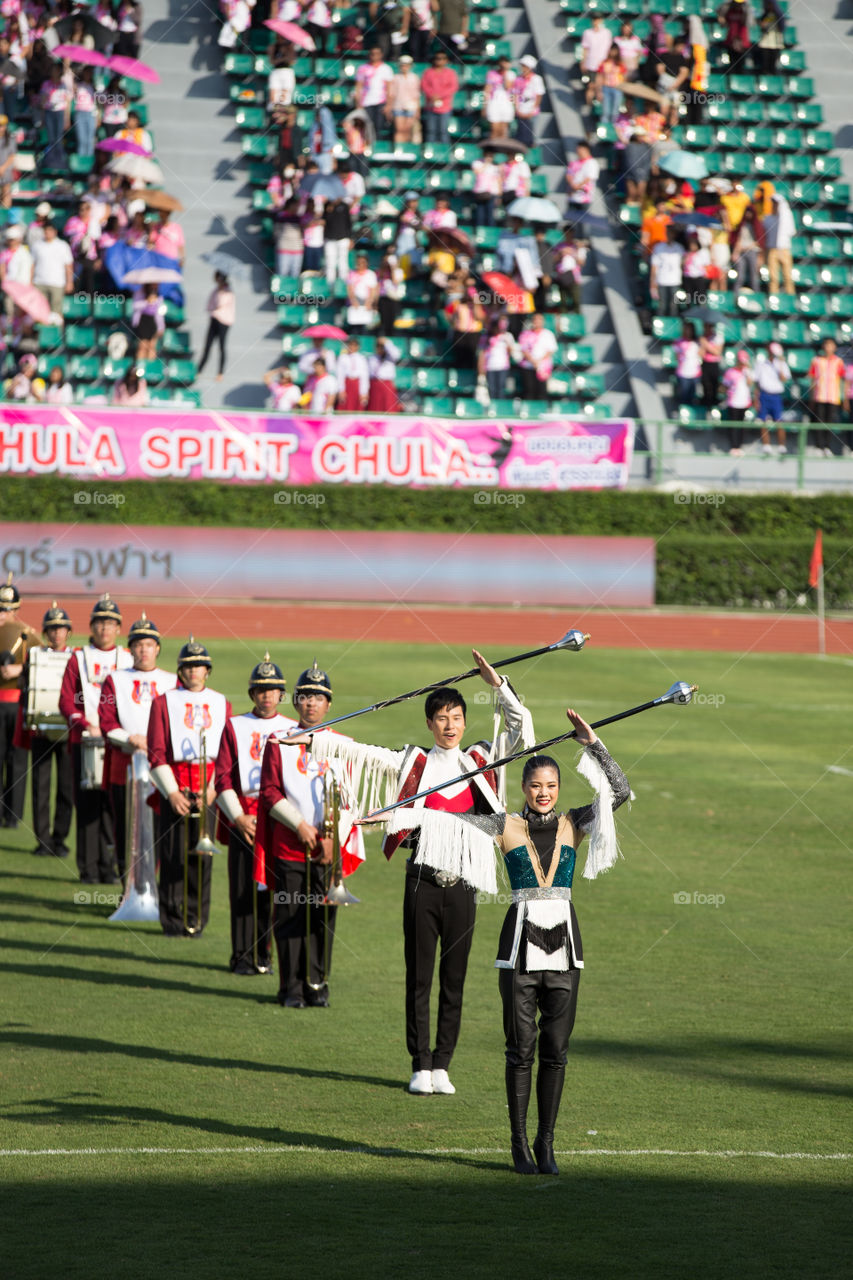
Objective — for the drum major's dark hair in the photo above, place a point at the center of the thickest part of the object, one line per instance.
(442, 698)
(538, 762)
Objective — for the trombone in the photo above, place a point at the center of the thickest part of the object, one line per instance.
(335, 894)
(204, 846)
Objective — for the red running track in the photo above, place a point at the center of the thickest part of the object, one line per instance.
(400, 624)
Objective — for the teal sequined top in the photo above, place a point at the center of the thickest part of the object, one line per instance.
(523, 876)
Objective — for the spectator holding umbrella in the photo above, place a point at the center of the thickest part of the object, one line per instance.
(148, 320)
(114, 114)
(322, 387)
(83, 231)
(738, 383)
(129, 24)
(771, 376)
(439, 85)
(694, 267)
(289, 241)
(382, 364)
(515, 178)
(85, 112)
(353, 377)
(16, 262)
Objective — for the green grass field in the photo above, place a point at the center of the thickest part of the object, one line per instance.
(163, 1116)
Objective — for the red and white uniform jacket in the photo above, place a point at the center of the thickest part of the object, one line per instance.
(86, 672)
(176, 724)
(238, 765)
(123, 711)
(293, 790)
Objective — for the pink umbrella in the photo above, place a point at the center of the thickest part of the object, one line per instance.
(290, 31)
(153, 275)
(122, 145)
(29, 299)
(79, 53)
(134, 68)
(330, 331)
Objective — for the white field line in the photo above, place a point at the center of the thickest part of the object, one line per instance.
(635, 1152)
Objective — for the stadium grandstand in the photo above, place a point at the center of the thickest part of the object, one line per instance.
(552, 209)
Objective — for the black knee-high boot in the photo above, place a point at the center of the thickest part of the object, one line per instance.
(518, 1097)
(549, 1087)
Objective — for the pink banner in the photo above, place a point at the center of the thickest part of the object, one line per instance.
(95, 443)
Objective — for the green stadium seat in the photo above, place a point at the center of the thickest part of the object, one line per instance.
(463, 381)
(155, 371)
(77, 306)
(799, 360)
(588, 385)
(431, 380)
(720, 112)
(836, 277)
(796, 87)
(112, 370)
(817, 139)
(182, 371)
(791, 333)
(808, 113)
(253, 119)
(827, 166)
(467, 407)
(50, 336)
(757, 331)
(81, 164)
(782, 304)
(238, 64)
(793, 60)
(175, 343)
(80, 338)
(108, 308)
(46, 363)
(84, 368)
(441, 406)
(666, 328)
(258, 146)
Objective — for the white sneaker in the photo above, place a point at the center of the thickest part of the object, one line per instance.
(441, 1082)
(421, 1082)
(767, 450)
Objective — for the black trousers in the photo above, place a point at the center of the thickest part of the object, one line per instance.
(95, 844)
(554, 996)
(251, 924)
(216, 332)
(13, 767)
(432, 914)
(43, 751)
(300, 917)
(118, 807)
(174, 835)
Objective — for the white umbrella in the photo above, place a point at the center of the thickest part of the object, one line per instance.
(153, 275)
(137, 167)
(535, 209)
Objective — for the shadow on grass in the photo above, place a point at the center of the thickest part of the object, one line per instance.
(400, 1216)
(137, 982)
(724, 1059)
(168, 1057)
(107, 953)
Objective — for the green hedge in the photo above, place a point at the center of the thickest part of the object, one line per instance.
(638, 513)
(758, 573)
(713, 550)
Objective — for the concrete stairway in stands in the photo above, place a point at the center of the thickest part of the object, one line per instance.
(529, 31)
(198, 148)
(825, 31)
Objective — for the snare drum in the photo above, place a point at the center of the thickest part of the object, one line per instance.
(46, 669)
(92, 763)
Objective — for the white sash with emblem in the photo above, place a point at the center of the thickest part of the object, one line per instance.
(190, 715)
(94, 666)
(135, 691)
(251, 733)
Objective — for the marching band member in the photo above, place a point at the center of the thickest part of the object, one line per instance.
(292, 855)
(238, 784)
(185, 724)
(56, 627)
(540, 956)
(123, 711)
(88, 668)
(15, 638)
(437, 906)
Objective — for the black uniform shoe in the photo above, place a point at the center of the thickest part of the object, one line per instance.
(60, 850)
(41, 851)
(244, 969)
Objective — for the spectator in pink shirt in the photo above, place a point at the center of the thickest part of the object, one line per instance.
(371, 88)
(439, 84)
(168, 238)
(595, 46)
(221, 307)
